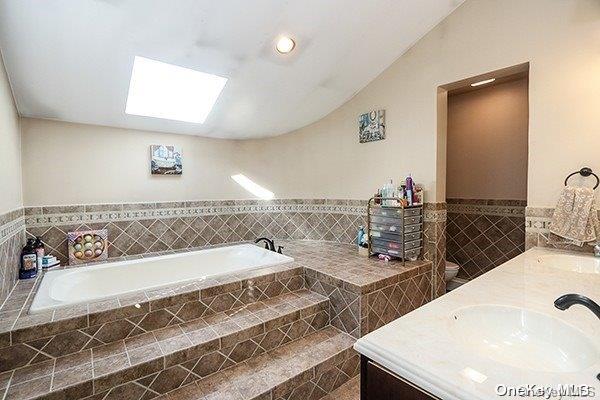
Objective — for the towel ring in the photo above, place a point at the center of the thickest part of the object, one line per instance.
(585, 171)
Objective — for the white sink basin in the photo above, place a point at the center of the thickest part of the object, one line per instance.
(584, 265)
(523, 339)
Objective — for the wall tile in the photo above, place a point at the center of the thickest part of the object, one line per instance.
(144, 228)
(484, 233)
(12, 240)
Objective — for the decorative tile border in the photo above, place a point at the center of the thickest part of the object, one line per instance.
(502, 208)
(434, 212)
(12, 228)
(45, 216)
(537, 230)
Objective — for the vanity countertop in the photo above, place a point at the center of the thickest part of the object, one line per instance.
(428, 347)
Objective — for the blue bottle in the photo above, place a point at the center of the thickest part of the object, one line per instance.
(360, 234)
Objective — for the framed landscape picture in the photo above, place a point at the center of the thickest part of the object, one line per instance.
(371, 126)
(165, 160)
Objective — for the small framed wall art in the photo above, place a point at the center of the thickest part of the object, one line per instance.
(371, 126)
(165, 160)
(87, 246)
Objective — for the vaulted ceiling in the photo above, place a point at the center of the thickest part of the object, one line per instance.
(71, 60)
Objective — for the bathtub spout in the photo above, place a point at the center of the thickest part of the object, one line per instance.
(269, 244)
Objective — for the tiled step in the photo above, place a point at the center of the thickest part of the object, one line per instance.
(308, 368)
(348, 391)
(28, 338)
(173, 355)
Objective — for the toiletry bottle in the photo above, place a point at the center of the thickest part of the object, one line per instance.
(409, 190)
(359, 235)
(28, 267)
(40, 251)
(388, 192)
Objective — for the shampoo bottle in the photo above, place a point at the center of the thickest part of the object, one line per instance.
(28, 267)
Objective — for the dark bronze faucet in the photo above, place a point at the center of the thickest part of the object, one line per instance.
(269, 244)
(567, 300)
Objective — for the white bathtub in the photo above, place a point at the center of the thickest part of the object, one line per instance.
(87, 284)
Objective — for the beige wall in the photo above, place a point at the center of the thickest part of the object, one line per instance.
(10, 148)
(68, 163)
(558, 37)
(487, 143)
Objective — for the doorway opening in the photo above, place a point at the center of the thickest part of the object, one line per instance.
(485, 138)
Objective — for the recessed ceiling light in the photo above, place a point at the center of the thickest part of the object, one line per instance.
(168, 91)
(285, 44)
(483, 82)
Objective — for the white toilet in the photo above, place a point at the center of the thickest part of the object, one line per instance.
(451, 270)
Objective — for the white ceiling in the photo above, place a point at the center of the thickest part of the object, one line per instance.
(71, 60)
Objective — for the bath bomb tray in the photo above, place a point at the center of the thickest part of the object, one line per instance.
(87, 246)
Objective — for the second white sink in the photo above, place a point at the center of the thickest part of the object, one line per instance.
(522, 338)
(581, 264)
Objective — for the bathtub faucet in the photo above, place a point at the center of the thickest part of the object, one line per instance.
(269, 244)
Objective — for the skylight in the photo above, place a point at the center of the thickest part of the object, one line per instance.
(168, 91)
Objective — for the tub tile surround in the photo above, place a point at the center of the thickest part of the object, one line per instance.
(363, 296)
(537, 231)
(244, 324)
(148, 228)
(153, 228)
(482, 234)
(12, 240)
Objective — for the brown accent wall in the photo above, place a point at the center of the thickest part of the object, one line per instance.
(487, 142)
(486, 165)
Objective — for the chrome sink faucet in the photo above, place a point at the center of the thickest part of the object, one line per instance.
(567, 300)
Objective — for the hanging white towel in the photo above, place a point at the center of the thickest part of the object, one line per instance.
(575, 217)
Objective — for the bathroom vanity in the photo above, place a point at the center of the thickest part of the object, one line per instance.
(379, 383)
(497, 332)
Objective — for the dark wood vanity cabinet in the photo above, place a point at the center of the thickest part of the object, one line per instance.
(378, 383)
